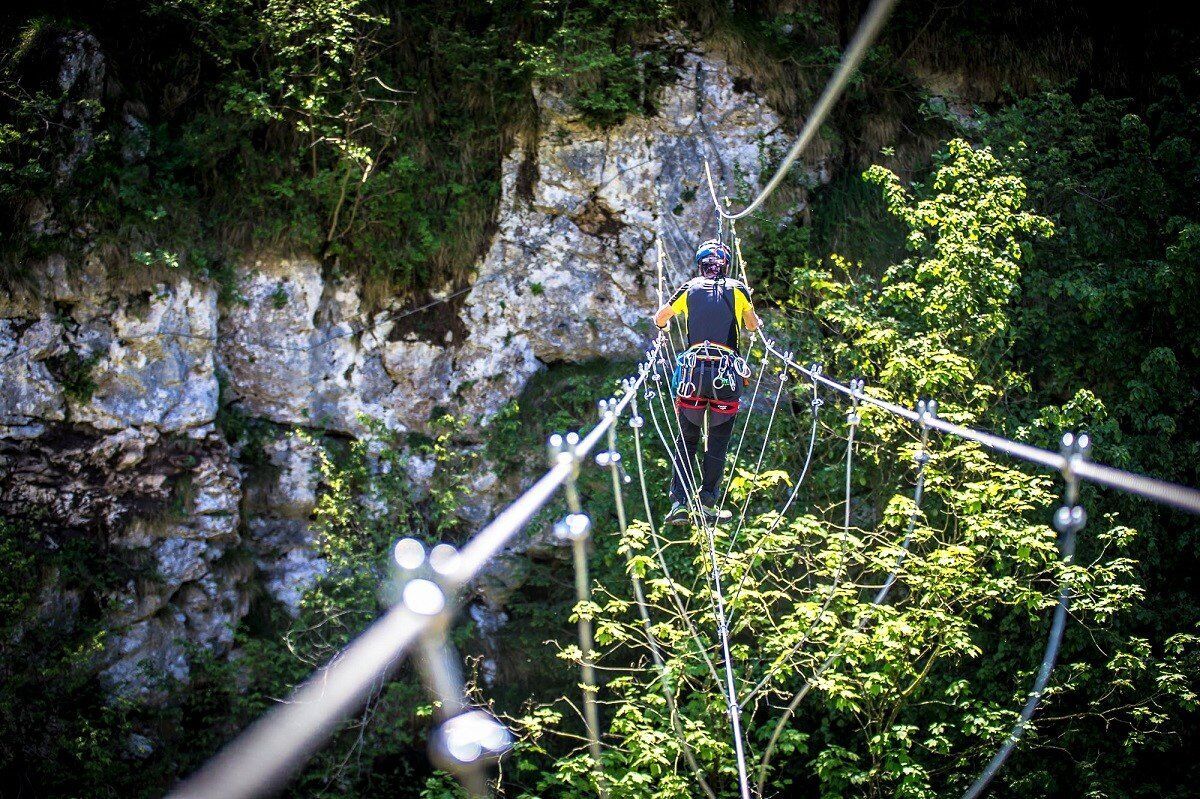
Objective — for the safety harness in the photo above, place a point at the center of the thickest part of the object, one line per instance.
(709, 377)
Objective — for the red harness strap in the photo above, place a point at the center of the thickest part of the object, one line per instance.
(704, 403)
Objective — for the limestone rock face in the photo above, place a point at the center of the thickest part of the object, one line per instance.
(109, 396)
(154, 361)
(29, 395)
(292, 352)
(278, 510)
(169, 503)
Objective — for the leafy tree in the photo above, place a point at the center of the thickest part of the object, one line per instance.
(922, 687)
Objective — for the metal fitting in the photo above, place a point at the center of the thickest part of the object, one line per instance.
(608, 458)
(573, 527)
(469, 739)
(1071, 517)
(423, 597)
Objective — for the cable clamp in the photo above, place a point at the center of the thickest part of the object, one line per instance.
(469, 739)
(856, 387)
(926, 410)
(573, 527)
(1071, 517)
(608, 458)
(562, 449)
(419, 576)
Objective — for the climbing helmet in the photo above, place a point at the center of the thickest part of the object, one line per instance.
(713, 258)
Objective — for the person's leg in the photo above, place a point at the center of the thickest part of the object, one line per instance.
(714, 457)
(683, 479)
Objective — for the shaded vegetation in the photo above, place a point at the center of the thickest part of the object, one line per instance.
(372, 133)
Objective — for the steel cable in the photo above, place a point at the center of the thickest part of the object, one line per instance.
(640, 599)
(868, 30)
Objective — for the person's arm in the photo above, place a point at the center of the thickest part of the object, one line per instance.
(745, 310)
(677, 305)
(750, 319)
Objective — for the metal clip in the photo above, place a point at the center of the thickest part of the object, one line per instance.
(573, 527)
(1071, 517)
(856, 387)
(466, 739)
(926, 410)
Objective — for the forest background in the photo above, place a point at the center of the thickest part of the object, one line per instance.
(1033, 262)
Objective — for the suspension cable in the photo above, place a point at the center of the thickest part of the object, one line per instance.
(922, 458)
(745, 426)
(1069, 520)
(852, 420)
(717, 596)
(693, 509)
(662, 562)
(758, 465)
(812, 441)
(733, 707)
(867, 31)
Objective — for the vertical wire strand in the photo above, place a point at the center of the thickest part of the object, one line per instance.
(812, 442)
(662, 562)
(921, 459)
(644, 612)
(734, 708)
(758, 465)
(583, 593)
(745, 426)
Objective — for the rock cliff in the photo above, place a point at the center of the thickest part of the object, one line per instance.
(109, 398)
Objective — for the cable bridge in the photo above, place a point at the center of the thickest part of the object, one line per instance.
(467, 738)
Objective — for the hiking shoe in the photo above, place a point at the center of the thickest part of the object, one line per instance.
(678, 514)
(713, 512)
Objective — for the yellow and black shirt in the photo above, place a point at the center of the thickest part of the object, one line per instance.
(714, 309)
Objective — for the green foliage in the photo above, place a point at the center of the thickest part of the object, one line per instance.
(56, 730)
(593, 57)
(895, 713)
(554, 401)
(315, 125)
(367, 132)
(74, 372)
(453, 465)
(1109, 303)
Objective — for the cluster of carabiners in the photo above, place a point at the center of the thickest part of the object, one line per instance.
(731, 367)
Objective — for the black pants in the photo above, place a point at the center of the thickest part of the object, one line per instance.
(712, 466)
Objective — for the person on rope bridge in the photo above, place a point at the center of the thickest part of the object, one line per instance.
(709, 375)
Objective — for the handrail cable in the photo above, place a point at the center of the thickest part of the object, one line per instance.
(261, 758)
(1161, 491)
